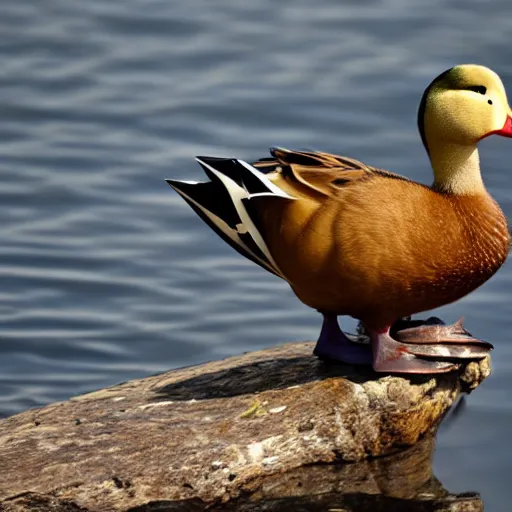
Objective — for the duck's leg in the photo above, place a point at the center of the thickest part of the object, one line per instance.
(334, 345)
(393, 356)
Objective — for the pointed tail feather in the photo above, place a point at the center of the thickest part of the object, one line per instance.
(244, 175)
(223, 204)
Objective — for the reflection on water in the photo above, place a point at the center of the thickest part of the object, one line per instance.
(106, 275)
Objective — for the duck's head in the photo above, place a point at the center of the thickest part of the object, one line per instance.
(462, 106)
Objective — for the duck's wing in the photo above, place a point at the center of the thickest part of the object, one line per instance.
(317, 173)
(224, 204)
(243, 203)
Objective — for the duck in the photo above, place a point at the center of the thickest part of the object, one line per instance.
(354, 240)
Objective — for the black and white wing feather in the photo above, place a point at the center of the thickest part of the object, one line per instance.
(224, 204)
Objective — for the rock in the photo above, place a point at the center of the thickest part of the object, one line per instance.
(402, 482)
(219, 432)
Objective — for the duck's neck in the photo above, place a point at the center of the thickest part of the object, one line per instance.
(456, 169)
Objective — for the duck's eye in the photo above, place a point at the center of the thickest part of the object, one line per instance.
(489, 101)
(480, 89)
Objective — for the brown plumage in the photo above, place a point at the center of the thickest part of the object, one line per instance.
(397, 247)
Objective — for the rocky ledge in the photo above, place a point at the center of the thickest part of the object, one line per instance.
(233, 433)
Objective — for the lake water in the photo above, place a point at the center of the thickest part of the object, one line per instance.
(107, 275)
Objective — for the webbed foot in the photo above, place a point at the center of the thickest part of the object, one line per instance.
(419, 346)
(435, 332)
(393, 356)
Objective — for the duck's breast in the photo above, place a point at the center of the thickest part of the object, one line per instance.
(452, 245)
(480, 243)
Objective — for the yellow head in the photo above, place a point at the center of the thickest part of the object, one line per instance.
(462, 106)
